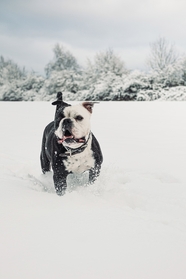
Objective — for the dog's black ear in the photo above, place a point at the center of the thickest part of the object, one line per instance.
(59, 99)
(59, 102)
(89, 105)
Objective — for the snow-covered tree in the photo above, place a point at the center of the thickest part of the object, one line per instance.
(63, 72)
(32, 87)
(183, 66)
(63, 60)
(166, 65)
(10, 75)
(162, 55)
(16, 84)
(108, 62)
(104, 77)
(10, 71)
(104, 63)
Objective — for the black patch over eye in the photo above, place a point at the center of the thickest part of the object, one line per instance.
(78, 118)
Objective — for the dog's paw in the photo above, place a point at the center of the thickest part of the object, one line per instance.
(60, 191)
(45, 170)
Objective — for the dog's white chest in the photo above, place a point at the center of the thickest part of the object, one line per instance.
(80, 162)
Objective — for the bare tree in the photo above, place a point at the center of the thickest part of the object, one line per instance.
(162, 55)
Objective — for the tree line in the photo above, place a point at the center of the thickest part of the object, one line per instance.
(104, 78)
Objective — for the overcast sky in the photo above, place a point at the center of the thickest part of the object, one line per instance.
(30, 29)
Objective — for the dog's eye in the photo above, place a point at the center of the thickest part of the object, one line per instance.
(79, 118)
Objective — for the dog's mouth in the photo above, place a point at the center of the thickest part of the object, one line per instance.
(69, 138)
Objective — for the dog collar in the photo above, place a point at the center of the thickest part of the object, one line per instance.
(73, 151)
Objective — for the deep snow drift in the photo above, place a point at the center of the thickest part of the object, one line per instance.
(131, 224)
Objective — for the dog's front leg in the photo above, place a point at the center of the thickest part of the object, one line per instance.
(60, 181)
(94, 173)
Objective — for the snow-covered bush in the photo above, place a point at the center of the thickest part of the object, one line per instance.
(111, 88)
(10, 71)
(11, 92)
(172, 75)
(10, 75)
(16, 84)
(65, 80)
(32, 81)
(148, 95)
(183, 67)
(177, 93)
(136, 81)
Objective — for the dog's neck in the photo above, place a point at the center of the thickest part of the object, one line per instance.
(72, 151)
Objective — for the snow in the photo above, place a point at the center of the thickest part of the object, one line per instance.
(130, 224)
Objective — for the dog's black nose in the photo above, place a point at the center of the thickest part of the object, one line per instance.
(67, 123)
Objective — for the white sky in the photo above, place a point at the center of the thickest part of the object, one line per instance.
(30, 29)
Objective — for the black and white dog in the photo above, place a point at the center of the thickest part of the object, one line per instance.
(69, 146)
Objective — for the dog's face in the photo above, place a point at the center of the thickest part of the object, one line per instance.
(72, 124)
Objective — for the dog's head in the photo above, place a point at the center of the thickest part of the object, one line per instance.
(72, 124)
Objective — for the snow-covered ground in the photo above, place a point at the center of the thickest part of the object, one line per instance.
(130, 224)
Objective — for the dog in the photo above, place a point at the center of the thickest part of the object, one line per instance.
(69, 146)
